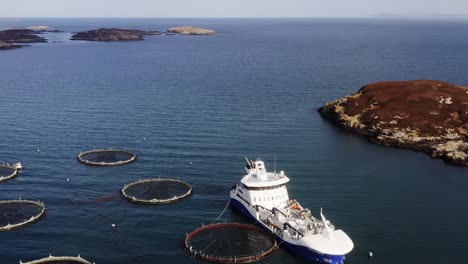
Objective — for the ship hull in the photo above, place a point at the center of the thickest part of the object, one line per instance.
(296, 249)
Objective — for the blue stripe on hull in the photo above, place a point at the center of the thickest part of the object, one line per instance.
(298, 250)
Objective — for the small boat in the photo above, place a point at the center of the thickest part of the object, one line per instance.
(263, 197)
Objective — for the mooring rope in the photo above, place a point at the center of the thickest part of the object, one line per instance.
(227, 205)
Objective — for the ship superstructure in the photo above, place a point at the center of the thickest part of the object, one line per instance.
(262, 196)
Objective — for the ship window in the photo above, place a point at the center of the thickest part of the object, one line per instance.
(275, 187)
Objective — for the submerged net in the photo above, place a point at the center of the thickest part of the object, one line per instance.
(106, 157)
(7, 172)
(18, 213)
(156, 191)
(230, 243)
(59, 260)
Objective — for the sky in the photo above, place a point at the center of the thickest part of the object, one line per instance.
(232, 8)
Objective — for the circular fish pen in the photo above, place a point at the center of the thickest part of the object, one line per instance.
(156, 191)
(230, 243)
(18, 213)
(7, 172)
(58, 260)
(106, 157)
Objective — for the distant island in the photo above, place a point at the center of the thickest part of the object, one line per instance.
(117, 34)
(422, 16)
(43, 29)
(113, 34)
(423, 115)
(7, 46)
(10, 38)
(189, 30)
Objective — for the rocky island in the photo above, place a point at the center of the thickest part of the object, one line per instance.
(113, 34)
(423, 115)
(7, 46)
(43, 29)
(9, 38)
(189, 30)
(20, 36)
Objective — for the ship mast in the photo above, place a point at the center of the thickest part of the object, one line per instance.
(327, 232)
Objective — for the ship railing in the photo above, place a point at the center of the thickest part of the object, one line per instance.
(291, 227)
(258, 207)
(278, 210)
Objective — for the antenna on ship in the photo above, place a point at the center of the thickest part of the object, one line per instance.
(327, 230)
(249, 163)
(274, 164)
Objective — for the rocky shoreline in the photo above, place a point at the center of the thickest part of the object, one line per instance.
(427, 116)
(9, 46)
(189, 30)
(117, 34)
(113, 34)
(11, 38)
(43, 29)
(20, 36)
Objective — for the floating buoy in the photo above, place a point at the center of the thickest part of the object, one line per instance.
(190, 162)
(144, 138)
(38, 150)
(370, 254)
(68, 180)
(113, 225)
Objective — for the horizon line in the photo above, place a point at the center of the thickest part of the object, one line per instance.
(383, 17)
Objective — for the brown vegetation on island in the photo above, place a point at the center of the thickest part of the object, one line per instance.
(424, 115)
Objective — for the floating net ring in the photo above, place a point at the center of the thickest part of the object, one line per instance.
(106, 157)
(156, 191)
(7, 172)
(18, 213)
(59, 260)
(230, 243)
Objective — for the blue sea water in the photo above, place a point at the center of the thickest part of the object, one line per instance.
(192, 107)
